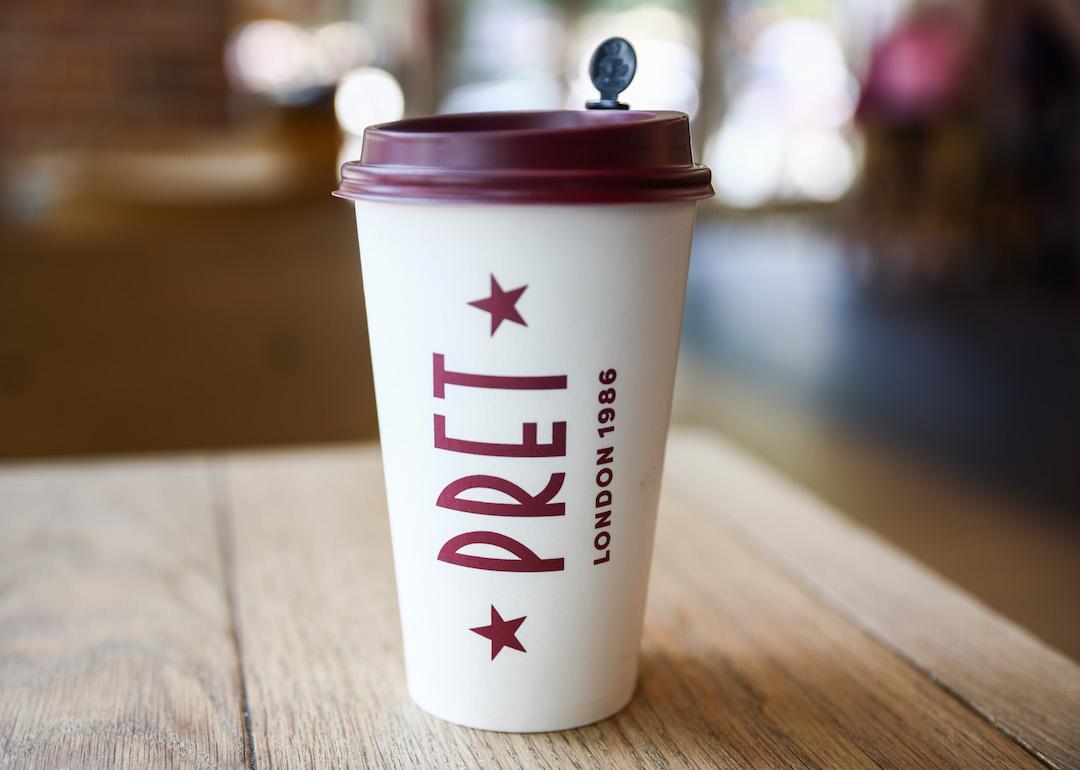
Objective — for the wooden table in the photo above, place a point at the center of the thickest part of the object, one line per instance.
(237, 610)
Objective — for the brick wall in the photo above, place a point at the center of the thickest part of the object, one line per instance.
(109, 73)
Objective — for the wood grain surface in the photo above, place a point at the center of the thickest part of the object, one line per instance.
(1027, 689)
(116, 645)
(239, 612)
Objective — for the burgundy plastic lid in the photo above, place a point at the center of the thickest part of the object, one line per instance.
(585, 156)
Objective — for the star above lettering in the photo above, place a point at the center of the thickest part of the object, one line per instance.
(501, 305)
(502, 633)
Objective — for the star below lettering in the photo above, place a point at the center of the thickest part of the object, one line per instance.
(501, 304)
(502, 633)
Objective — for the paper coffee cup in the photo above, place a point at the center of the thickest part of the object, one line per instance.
(524, 276)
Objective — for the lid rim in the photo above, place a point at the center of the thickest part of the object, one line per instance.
(430, 195)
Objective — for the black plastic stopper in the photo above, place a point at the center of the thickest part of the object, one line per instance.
(611, 69)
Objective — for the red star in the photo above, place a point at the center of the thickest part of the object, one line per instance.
(501, 305)
(502, 633)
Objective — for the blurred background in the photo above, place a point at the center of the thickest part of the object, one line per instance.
(883, 302)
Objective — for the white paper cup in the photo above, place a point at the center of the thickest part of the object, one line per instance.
(523, 357)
